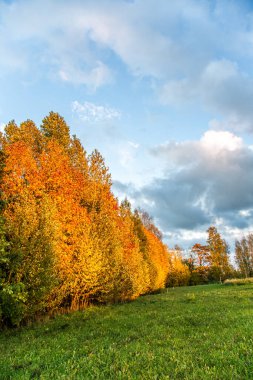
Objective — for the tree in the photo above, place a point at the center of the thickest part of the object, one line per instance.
(244, 255)
(64, 239)
(133, 260)
(28, 227)
(211, 261)
(202, 254)
(148, 223)
(179, 272)
(54, 127)
(218, 255)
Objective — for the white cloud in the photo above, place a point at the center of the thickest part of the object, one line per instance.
(93, 113)
(216, 141)
(93, 78)
(245, 213)
(192, 235)
(204, 182)
(2, 126)
(222, 87)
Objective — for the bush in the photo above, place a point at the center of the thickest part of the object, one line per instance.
(12, 303)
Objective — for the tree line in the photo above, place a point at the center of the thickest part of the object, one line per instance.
(210, 262)
(65, 239)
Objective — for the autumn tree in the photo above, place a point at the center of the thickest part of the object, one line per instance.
(179, 272)
(218, 255)
(54, 127)
(211, 261)
(133, 258)
(64, 239)
(201, 270)
(148, 223)
(244, 255)
(29, 275)
(201, 253)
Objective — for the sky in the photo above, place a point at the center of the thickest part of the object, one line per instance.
(163, 89)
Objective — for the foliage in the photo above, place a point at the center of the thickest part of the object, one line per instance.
(179, 273)
(65, 240)
(218, 255)
(244, 255)
(210, 262)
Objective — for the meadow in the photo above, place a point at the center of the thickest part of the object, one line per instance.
(199, 332)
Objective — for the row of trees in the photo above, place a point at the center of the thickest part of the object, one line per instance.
(205, 264)
(65, 239)
(210, 262)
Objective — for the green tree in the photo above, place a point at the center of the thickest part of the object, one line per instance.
(12, 293)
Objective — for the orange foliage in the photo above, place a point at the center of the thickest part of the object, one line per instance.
(179, 273)
(55, 194)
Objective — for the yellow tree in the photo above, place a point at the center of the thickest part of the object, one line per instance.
(28, 229)
(134, 264)
(219, 255)
(179, 273)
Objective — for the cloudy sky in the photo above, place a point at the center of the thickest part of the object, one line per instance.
(164, 89)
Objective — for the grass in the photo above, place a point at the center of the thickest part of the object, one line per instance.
(239, 281)
(201, 332)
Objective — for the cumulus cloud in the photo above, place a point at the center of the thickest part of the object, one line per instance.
(91, 112)
(204, 182)
(217, 167)
(218, 141)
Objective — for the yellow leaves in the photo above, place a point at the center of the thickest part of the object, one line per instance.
(60, 204)
(179, 272)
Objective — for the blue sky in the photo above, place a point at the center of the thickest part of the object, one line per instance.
(163, 89)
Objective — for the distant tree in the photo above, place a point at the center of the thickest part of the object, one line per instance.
(148, 223)
(218, 255)
(190, 261)
(201, 253)
(179, 272)
(211, 261)
(244, 255)
(198, 264)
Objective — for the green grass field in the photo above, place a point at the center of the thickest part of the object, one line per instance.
(202, 332)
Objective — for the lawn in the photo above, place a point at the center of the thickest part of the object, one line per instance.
(201, 332)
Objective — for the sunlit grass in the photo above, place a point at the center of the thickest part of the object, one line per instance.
(202, 332)
(239, 281)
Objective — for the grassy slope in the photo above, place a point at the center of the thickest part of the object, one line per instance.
(203, 332)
